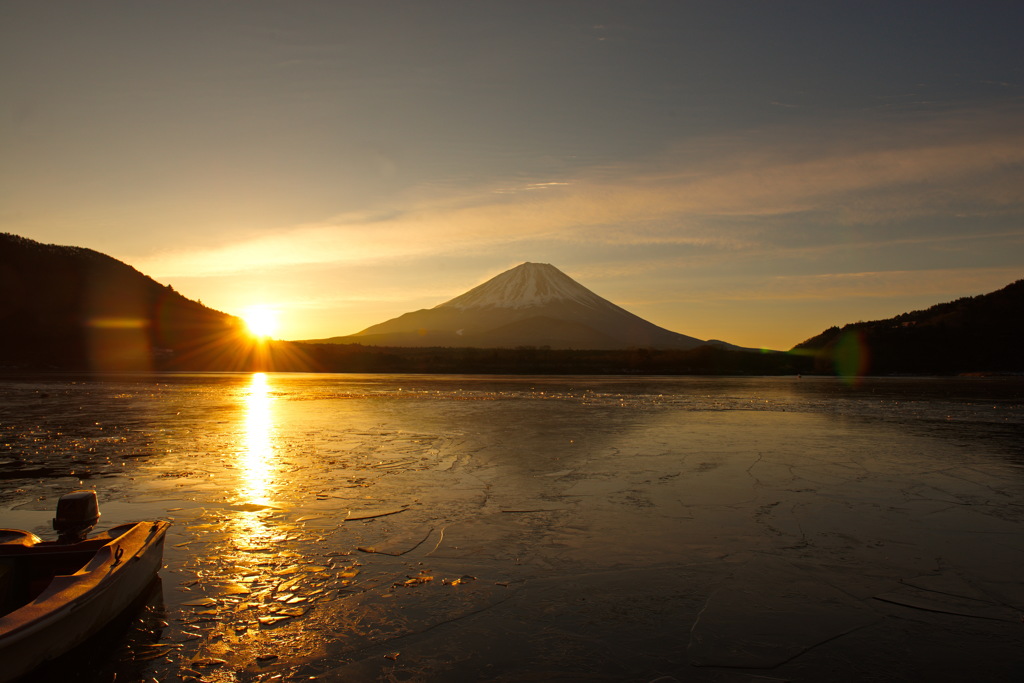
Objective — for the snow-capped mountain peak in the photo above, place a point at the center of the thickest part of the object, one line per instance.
(533, 304)
(527, 285)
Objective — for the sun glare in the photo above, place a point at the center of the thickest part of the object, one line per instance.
(260, 320)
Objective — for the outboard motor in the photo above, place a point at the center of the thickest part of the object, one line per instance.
(77, 514)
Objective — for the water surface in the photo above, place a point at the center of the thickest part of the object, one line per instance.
(486, 528)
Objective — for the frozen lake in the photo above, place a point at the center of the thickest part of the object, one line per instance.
(406, 528)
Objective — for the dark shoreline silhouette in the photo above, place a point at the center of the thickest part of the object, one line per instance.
(70, 308)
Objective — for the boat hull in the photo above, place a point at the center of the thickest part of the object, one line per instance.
(75, 606)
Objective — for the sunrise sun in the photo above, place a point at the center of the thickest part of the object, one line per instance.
(261, 320)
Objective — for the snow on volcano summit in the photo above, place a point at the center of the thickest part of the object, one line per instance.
(526, 285)
(533, 304)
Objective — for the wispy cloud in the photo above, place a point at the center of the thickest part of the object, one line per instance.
(717, 194)
(889, 284)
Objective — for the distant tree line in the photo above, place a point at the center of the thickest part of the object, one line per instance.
(541, 360)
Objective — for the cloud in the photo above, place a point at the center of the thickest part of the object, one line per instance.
(868, 285)
(724, 194)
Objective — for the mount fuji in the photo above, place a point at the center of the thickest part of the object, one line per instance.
(533, 304)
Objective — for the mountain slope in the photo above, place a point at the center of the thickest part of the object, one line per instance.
(983, 333)
(533, 304)
(72, 307)
(525, 286)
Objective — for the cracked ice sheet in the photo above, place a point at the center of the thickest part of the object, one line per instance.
(597, 625)
(769, 612)
(947, 603)
(857, 503)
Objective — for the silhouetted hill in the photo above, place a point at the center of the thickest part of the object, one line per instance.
(71, 307)
(974, 334)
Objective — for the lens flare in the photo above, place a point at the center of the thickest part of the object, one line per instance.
(851, 357)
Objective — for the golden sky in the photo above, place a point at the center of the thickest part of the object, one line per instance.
(751, 172)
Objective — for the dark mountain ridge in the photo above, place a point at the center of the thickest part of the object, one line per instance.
(983, 333)
(72, 307)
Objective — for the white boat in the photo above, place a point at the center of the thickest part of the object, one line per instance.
(54, 595)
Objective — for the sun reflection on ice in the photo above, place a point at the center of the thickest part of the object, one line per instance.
(257, 584)
(257, 465)
(258, 462)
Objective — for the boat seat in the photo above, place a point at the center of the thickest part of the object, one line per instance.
(9, 587)
(24, 577)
